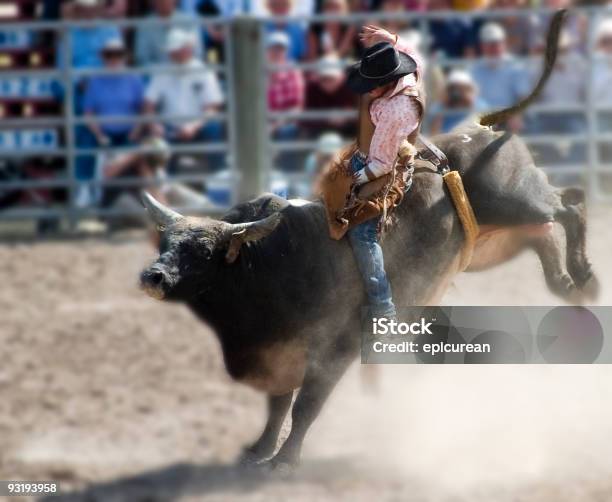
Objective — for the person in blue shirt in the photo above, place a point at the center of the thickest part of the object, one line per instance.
(86, 42)
(454, 38)
(150, 43)
(113, 95)
(295, 31)
(501, 79)
(460, 102)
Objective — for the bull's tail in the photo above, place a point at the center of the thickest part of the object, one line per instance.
(552, 41)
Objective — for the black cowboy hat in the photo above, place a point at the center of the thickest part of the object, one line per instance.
(381, 64)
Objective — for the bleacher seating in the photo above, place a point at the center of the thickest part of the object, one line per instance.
(26, 96)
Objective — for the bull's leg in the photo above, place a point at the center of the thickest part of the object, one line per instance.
(264, 447)
(322, 375)
(558, 280)
(573, 218)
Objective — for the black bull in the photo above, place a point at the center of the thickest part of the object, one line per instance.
(287, 310)
(285, 299)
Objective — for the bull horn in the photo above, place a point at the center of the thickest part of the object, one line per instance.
(161, 215)
(249, 232)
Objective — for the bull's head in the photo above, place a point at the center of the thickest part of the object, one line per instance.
(191, 248)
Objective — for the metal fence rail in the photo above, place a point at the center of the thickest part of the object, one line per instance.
(250, 155)
(67, 76)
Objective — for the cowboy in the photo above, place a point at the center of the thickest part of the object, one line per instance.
(387, 79)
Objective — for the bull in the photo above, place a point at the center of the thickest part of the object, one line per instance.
(285, 300)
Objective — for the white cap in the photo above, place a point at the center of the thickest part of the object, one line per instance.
(114, 44)
(460, 77)
(329, 66)
(178, 38)
(413, 38)
(278, 38)
(492, 32)
(86, 3)
(329, 143)
(605, 28)
(566, 40)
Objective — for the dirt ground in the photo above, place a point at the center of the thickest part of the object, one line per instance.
(121, 398)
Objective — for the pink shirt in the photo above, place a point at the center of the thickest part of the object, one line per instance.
(285, 90)
(395, 117)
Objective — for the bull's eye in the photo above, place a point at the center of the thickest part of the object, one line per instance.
(207, 254)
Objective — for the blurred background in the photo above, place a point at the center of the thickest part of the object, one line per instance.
(121, 398)
(101, 97)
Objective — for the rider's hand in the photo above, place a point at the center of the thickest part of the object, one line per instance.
(371, 35)
(360, 177)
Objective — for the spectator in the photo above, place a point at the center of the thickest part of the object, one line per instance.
(468, 5)
(295, 32)
(455, 37)
(576, 24)
(566, 87)
(502, 80)
(357, 6)
(328, 146)
(460, 102)
(147, 165)
(602, 83)
(329, 91)
(297, 8)
(285, 93)
(602, 68)
(151, 41)
(521, 30)
(394, 7)
(56, 9)
(150, 164)
(87, 42)
(113, 95)
(332, 36)
(193, 92)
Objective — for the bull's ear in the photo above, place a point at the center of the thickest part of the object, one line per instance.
(249, 232)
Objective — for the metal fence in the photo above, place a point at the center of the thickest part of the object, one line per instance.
(248, 147)
(69, 150)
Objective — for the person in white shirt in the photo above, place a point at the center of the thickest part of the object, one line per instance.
(194, 92)
(187, 98)
(567, 86)
(151, 40)
(602, 83)
(602, 67)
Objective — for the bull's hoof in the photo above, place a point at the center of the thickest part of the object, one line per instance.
(277, 468)
(591, 288)
(250, 457)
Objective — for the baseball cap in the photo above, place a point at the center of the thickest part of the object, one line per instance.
(278, 38)
(178, 38)
(86, 3)
(329, 143)
(604, 29)
(492, 32)
(329, 66)
(460, 77)
(114, 45)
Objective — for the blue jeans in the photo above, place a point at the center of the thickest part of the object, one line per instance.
(369, 256)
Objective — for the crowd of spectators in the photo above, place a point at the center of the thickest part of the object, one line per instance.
(475, 63)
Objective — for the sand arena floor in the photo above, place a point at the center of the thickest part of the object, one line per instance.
(125, 399)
